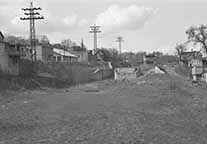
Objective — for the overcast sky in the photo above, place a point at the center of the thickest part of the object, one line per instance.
(146, 25)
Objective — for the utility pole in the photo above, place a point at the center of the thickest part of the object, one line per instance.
(82, 43)
(32, 15)
(95, 30)
(120, 40)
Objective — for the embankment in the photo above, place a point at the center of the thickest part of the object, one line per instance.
(57, 75)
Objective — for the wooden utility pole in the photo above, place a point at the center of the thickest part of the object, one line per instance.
(120, 40)
(95, 30)
(32, 15)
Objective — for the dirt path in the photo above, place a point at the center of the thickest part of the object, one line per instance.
(156, 109)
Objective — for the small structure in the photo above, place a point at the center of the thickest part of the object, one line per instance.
(61, 55)
(125, 73)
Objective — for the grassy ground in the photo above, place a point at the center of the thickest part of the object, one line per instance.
(154, 109)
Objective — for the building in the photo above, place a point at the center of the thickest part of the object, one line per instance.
(204, 77)
(10, 56)
(197, 72)
(199, 69)
(60, 55)
(44, 53)
(125, 74)
(150, 59)
(187, 57)
(81, 52)
(82, 56)
(96, 57)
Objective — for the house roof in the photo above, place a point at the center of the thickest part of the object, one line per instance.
(1, 34)
(190, 52)
(63, 53)
(190, 55)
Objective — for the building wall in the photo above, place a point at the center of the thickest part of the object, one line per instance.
(204, 77)
(9, 65)
(47, 53)
(3, 58)
(39, 53)
(28, 53)
(92, 59)
(73, 59)
(83, 56)
(60, 58)
(44, 53)
(196, 62)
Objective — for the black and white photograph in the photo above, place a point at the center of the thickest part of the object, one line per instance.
(103, 71)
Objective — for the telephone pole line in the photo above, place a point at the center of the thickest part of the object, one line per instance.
(95, 30)
(32, 15)
(120, 40)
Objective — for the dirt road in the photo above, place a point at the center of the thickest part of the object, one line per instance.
(154, 109)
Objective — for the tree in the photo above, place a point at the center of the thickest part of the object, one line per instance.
(180, 48)
(16, 40)
(43, 39)
(198, 35)
(111, 55)
(68, 43)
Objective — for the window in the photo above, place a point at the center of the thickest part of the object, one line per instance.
(18, 47)
(59, 58)
(55, 58)
(14, 61)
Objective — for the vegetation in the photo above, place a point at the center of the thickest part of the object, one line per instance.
(68, 43)
(43, 39)
(198, 35)
(180, 48)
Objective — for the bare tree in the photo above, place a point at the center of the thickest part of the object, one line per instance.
(198, 35)
(180, 48)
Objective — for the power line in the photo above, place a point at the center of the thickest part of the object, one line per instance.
(95, 29)
(120, 40)
(32, 15)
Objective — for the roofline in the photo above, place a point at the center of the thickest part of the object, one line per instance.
(190, 52)
(74, 55)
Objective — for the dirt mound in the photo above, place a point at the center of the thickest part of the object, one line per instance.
(154, 71)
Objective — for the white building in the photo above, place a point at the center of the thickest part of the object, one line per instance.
(61, 55)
